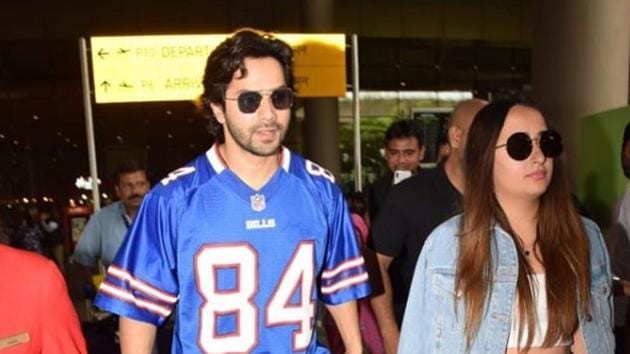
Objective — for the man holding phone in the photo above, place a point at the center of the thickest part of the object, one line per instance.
(403, 152)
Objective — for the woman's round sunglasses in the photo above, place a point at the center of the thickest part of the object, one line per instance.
(249, 101)
(520, 146)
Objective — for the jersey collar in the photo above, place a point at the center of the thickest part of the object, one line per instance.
(219, 166)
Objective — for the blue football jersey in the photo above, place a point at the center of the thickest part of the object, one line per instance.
(245, 267)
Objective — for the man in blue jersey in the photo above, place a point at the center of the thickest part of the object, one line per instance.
(247, 237)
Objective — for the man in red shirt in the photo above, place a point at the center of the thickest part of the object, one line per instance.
(36, 314)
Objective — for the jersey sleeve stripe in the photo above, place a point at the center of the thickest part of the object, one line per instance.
(119, 273)
(352, 263)
(127, 296)
(346, 283)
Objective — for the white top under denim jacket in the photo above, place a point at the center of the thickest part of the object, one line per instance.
(431, 325)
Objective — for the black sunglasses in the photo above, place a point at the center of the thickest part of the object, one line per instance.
(519, 145)
(249, 101)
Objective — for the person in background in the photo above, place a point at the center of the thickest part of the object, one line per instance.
(370, 334)
(403, 152)
(36, 314)
(619, 248)
(105, 231)
(53, 237)
(30, 235)
(519, 271)
(410, 212)
(444, 149)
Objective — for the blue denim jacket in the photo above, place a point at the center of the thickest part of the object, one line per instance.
(431, 325)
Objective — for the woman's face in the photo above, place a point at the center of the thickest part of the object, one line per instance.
(530, 177)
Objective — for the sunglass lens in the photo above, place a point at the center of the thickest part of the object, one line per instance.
(282, 99)
(248, 102)
(519, 146)
(551, 143)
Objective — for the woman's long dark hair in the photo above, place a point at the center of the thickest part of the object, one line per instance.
(561, 238)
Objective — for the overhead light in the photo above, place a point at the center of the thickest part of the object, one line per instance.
(25, 200)
(35, 117)
(72, 203)
(104, 195)
(45, 199)
(84, 197)
(2, 136)
(84, 183)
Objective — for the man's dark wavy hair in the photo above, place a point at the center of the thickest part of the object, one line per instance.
(229, 57)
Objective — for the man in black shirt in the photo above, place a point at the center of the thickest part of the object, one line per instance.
(410, 212)
(403, 152)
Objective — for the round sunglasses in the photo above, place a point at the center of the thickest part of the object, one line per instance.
(520, 146)
(249, 101)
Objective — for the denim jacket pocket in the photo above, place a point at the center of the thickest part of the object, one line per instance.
(449, 312)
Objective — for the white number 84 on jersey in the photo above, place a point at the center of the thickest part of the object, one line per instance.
(239, 301)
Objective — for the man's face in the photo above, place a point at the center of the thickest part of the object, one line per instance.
(261, 132)
(131, 188)
(625, 159)
(403, 154)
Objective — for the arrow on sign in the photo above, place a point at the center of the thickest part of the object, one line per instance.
(102, 53)
(105, 85)
(125, 85)
(123, 51)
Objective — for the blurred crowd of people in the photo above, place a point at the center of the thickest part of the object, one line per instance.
(34, 228)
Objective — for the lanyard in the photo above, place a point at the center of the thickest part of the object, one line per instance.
(126, 221)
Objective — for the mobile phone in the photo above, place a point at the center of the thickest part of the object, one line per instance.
(400, 175)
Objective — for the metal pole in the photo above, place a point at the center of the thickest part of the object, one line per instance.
(89, 123)
(356, 115)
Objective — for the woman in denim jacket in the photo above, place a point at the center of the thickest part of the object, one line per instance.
(519, 271)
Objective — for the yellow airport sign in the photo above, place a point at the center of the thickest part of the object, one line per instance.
(170, 68)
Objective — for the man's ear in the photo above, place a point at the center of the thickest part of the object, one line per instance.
(218, 112)
(422, 151)
(454, 136)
